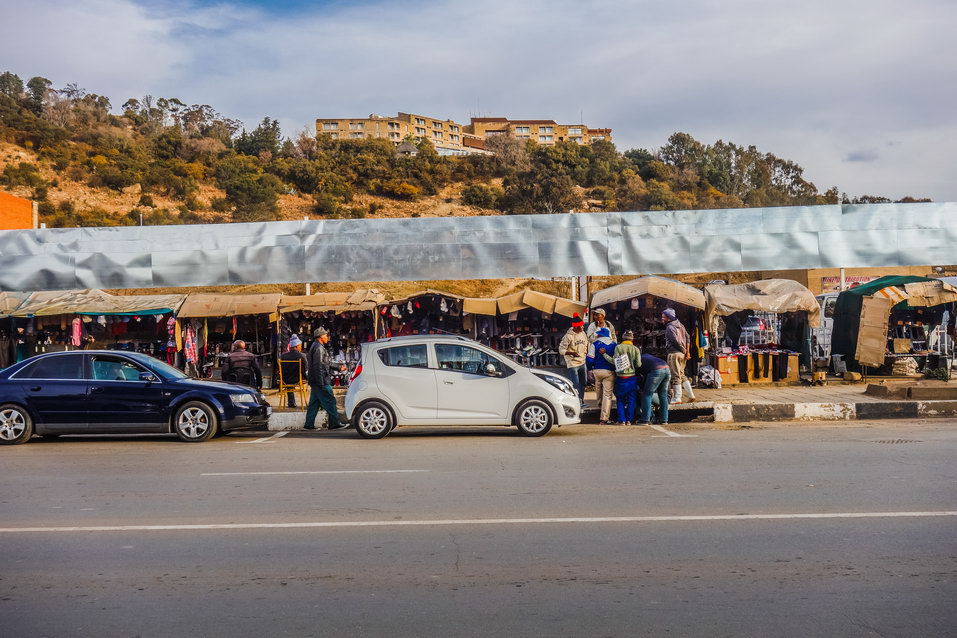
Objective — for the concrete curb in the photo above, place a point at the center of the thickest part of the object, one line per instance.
(751, 412)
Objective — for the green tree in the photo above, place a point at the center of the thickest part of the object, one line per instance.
(38, 90)
(266, 138)
(11, 85)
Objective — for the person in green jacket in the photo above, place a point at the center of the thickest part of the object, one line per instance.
(627, 360)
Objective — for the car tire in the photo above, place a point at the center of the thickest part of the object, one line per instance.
(195, 422)
(16, 426)
(373, 420)
(534, 418)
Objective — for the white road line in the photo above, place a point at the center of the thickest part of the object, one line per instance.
(314, 472)
(674, 434)
(480, 521)
(266, 439)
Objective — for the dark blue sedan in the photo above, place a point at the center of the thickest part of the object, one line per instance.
(109, 392)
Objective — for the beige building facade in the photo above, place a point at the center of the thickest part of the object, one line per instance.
(450, 137)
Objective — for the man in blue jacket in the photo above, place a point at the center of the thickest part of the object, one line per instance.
(603, 370)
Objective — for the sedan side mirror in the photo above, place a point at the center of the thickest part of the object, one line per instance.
(149, 377)
(492, 371)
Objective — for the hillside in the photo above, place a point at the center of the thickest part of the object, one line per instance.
(160, 161)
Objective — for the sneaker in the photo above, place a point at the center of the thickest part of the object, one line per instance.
(640, 423)
(338, 426)
(309, 427)
(619, 422)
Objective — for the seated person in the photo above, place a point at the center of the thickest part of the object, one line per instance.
(241, 366)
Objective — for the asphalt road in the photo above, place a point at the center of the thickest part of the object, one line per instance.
(782, 530)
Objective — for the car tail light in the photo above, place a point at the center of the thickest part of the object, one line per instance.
(356, 373)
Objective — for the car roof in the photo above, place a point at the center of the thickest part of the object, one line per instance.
(434, 337)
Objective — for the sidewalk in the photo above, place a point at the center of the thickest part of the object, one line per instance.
(836, 401)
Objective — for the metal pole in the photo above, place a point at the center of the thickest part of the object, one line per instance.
(843, 282)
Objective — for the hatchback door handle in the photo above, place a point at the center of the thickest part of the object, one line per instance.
(447, 382)
(98, 389)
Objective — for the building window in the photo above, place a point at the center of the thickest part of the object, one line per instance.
(521, 130)
(436, 124)
(437, 134)
(393, 126)
(330, 126)
(393, 136)
(334, 136)
(453, 128)
(545, 138)
(576, 139)
(420, 121)
(454, 138)
(595, 138)
(575, 131)
(493, 133)
(544, 129)
(356, 126)
(419, 131)
(355, 136)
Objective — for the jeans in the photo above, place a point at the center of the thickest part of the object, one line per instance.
(579, 378)
(656, 382)
(626, 394)
(322, 395)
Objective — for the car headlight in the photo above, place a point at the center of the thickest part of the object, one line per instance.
(242, 398)
(559, 382)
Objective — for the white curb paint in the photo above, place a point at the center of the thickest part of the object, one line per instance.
(824, 411)
(722, 413)
(480, 521)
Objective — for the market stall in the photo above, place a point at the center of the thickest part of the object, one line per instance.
(637, 305)
(62, 320)
(425, 312)
(9, 302)
(207, 324)
(350, 318)
(895, 325)
(529, 325)
(760, 330)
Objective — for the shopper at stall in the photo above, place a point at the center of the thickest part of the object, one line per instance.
(599, 323)
(603, 370)
(574, 347)
(627, 360)
(678, 347)
(241, 366)
(320, 383)
(655, 377)
(294, 354)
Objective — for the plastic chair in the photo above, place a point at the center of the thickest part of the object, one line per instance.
(291, 379)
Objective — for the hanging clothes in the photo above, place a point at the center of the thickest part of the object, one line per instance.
(76, 332)
(189, 346)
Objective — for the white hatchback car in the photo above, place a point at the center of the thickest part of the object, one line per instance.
(450, 380)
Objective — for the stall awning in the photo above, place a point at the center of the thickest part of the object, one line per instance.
(930, 293)
(336, 301)
(213, 305)
(95, 302)
(767, 295)
(480, 306)
(552, 304)
(10, 301)
(512, 303)
(424, 293)
(651, 285)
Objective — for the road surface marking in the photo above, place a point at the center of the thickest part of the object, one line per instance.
(480, 521)
(266, 439)
(670, 433)
(313, 472)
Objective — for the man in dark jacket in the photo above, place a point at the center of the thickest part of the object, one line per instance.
(290, 372)
(678, 346)
(241, 366)
(320, 383)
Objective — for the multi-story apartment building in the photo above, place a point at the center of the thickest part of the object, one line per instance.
(448, 137)
(546, 132)
(451, 138)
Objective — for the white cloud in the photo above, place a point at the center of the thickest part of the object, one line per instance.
(814, 82)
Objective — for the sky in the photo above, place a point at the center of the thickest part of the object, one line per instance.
(861, 93)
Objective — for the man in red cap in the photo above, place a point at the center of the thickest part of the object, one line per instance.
(574, 347)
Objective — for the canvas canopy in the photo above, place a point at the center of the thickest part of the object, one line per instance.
(552, 304)
(512, 303)
(480, 306)
(212, 305)
(929, 293)
(338, 301)
(95, 302)
(9, 301)
(767, 295)
(423, 293)
(651, 285)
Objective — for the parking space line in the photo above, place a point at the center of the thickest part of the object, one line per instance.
(313, 472)
(270, 438)
(673, 434)
(481, 521)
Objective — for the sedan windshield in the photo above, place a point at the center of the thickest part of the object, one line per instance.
(162, 368)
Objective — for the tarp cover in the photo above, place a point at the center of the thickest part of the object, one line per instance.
(337, 301)
(512, 303)
(212, 305)
(480, 306)
(651, 285)
(95, 302)
(10, 300)
(767, 295)
(930, 293)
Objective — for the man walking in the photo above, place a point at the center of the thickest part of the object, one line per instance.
(603, 370)
(289, 371)
(678, 347)
(574, 347)
(320, 383)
